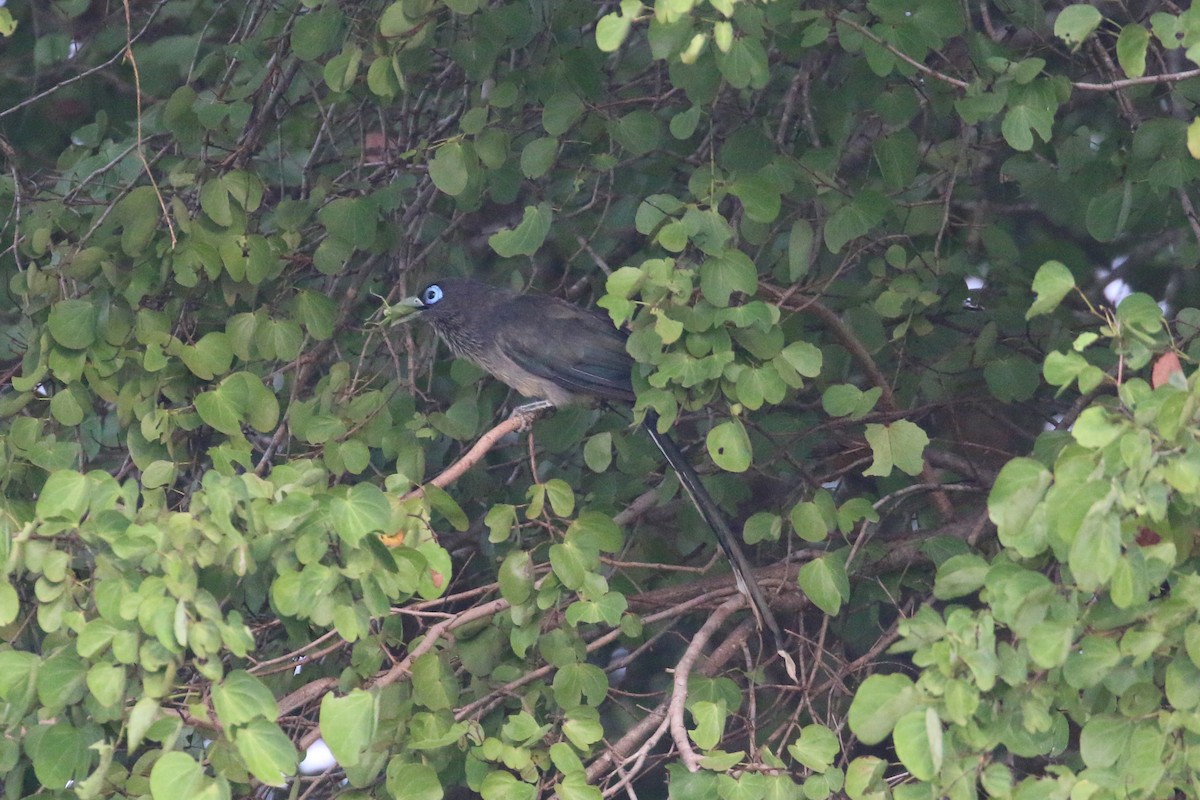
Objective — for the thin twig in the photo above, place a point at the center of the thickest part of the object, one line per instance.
(683, 669)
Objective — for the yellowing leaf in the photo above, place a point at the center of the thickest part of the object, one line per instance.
(1193, 138)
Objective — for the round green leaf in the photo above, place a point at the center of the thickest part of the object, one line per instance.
(527, 237)
(364, 509)
(880, 701)
(516, 577)
(729, 446)
(72, 323)
(414, 782)
(64, 496)
(448, 169)
(1076, 22)
(611, 31)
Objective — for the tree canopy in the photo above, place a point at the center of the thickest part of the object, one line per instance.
(914, 283)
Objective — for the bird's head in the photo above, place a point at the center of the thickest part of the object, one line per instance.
(439, 300)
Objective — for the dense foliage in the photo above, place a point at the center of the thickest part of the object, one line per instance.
(863, 251)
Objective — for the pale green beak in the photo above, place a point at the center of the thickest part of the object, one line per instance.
(402, 311)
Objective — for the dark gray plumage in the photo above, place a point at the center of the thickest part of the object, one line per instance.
(551, 350)
(542, 346)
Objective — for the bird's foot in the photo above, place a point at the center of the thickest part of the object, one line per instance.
(529, 412)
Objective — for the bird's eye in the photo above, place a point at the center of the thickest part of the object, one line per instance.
(431, 295)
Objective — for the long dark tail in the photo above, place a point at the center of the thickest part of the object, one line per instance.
(716, 521)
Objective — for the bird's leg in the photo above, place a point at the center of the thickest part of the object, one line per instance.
(528, 412)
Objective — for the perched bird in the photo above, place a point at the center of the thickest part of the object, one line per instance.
(559, 353)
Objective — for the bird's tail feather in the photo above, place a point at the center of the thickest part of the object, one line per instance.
(716, 521)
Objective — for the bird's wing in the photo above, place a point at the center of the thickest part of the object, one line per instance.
(574, 348)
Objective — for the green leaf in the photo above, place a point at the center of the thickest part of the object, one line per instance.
(960, 575)
(800, 249)
(10, 603)
(1193, 138)
(582, 727)
(1018, 490)
(516, 577)
(561, 111)
(433, 686)
(710, 723)
(72, 323)
(809, 523)
(316, 32)
(221, 410)
(1090, 662)
(918, 740)
(1075, 23)
(341, 71)
(727, 272)
(844, 399)
(683, 124)
(143, 715)
(865, 774)
(824, 581)
(414, 782)
(570, 564)
(214, 201)
(175, 775)
(363, 510)
(267, 752)
(611, 30)
(64, 496)
(745, 65)
(853, 220)
(729, 446)
(816, 748)
(898, 158)
(56, 751)
(1104, 740)
(574, 786)
(759, 196)
(317, 313)
(527, 237)
(209, 357)
(1051, 284)
(762, 526)
(639, 132)
(561, 497)
(538, 156)
(1140, 313)
(65, 407)
(1095, 549)
(351, 220)
(597, 452)
(803, 357)
(575, 683)
(1108, 213)
(501, 785)
(900, 444)
(1096, 428)
(241, 697)
(1012, 379)
(348, 724)
(448, 169)
(1132, 44)
(879, 704)
(61, 681)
